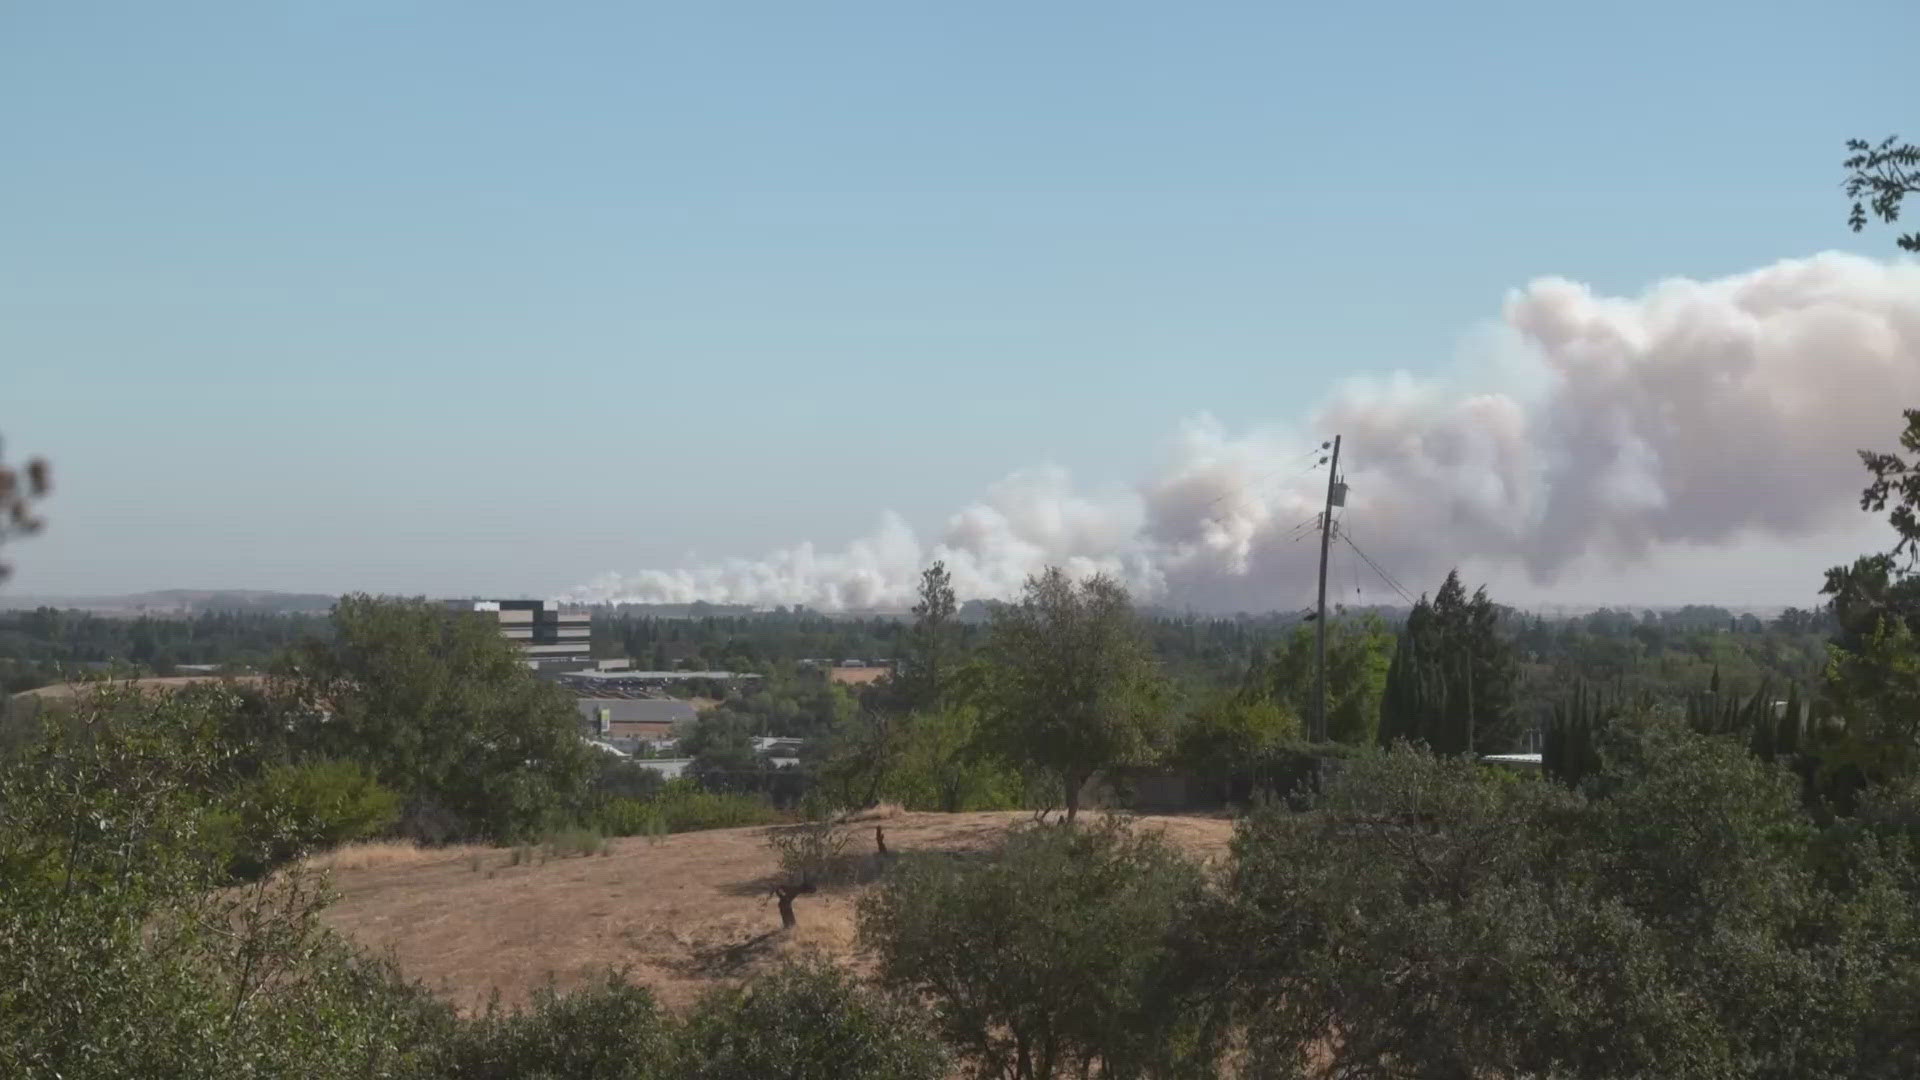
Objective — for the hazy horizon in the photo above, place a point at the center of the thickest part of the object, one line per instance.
(459, 300)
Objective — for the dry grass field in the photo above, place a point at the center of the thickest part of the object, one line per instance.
(680, 913)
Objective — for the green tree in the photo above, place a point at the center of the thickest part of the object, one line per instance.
(942, 765)
(1055, 955)
(1879, 178)
(290, 810)
(720, 742)
(444, 711)
(1359, 653)
(1074, 687)
(861, 757)
(926, 668)
(1873, 670)
(1451, 684)
(1232, 733)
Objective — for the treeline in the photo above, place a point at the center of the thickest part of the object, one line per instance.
(49, 645)
(1666, 654)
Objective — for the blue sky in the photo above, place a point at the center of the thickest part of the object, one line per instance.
(492, 298)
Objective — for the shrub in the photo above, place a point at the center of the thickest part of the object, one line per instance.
(607, 1030)
(575, 841)
(685, 807)
(293, 809)
(627, 817)
(1054, 955)
(121, 955)
(811, 856)
(808, 1021)
(1431, 918)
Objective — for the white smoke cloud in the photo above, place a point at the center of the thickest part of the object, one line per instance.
(1701, 412)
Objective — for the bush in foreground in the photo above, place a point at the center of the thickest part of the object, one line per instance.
(809, 1021)
(1056, 955)
(290, 810)
(607, 1030)
(121, 951)
(1685, 919)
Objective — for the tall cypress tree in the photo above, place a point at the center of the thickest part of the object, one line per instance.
(1452, 681)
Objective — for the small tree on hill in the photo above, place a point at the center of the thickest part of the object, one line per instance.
(1074, 684)
(810, 857)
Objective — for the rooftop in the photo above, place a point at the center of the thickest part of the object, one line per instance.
(631, 710)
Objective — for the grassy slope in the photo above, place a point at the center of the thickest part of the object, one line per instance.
(679, 914)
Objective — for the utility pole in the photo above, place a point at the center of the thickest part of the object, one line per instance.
(1320, 612)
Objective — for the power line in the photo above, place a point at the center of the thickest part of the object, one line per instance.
(1304, 526)
(1355, 567)
(1384, 576)
(1271, 473)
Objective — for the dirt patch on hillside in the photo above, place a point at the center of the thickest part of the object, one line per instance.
(679, 914)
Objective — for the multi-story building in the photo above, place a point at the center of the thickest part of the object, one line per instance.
(549, 636)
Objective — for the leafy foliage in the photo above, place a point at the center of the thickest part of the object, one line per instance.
(1431, 918)
(1873, 670)
(1879, 177)
(440, 706)
(940, 762)
(1452, 681)
(1052, 956)
(928, 667)
(809, 1021)
(1232, 733)
(606, 1030)
(64, 644)
(290, 810)
(119, 953)
(1074, 686)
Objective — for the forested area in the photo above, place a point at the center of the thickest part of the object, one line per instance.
(47, 645)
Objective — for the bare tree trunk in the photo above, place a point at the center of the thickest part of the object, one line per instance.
(1073, 784)
(785, 894)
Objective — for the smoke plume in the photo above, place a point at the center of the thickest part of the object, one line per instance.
(1701, 412)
